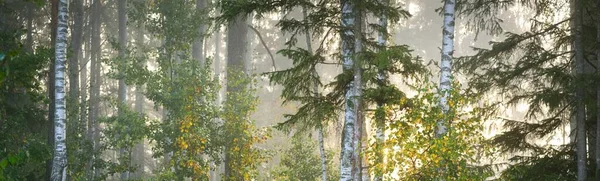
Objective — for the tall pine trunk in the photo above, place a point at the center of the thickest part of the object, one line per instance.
(237, 32)
(122, 95)
(94, 91)
(76, 44)
(349, 148)
(59, 162)
(50, 84)
(579, 92)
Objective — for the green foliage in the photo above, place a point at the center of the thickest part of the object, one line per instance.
(190, 128)
(413, 148)
(300, 162)
(533, 67)
(123, 131)
(242, 156)
(22, 117)
(554, 166)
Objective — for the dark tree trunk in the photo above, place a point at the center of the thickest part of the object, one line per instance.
(237, 31)
(50, 84)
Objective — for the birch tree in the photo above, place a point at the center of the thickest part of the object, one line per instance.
(59, 161)
(446, 62)
(352, 103)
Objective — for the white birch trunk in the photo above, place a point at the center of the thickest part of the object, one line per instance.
(352, 102)
(59, 161)
(580, 92)
(446, 63)
(323, 154)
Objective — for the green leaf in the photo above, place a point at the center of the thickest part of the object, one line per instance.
(3, 163)
(12, 159)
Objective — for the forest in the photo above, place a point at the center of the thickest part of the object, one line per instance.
(351, 90)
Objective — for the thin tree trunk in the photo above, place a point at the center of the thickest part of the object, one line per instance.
(76, 42)
(380, 121)
(139, 107)
(358, 84)
(84, 82)
(94, 83)
(198, 46)
(352, 105)
(59, 162)
(598, 98)
(579, 93)
(215, 172)
(29, 37)
(320, 135)
(322, 153)
(50, 84)
(122, 95)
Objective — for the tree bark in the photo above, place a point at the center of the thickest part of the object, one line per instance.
(579, 92)
(350, 42)
(76, 42)
(59, 162)
(50, 84)
(95, 21)
(446, 63)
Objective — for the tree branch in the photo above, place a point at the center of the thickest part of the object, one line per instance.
(262, 41)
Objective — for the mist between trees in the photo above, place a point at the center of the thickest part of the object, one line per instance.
(299, 90)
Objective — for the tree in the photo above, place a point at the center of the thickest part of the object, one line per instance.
(550, 75)
(299, 162)
(415, 151)
(598, 100)
(122, 95)
(576, 14)
(351, 22)
(59, 162)
(299, 80)
(237, 31)
(93, 131)
(446, 62)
